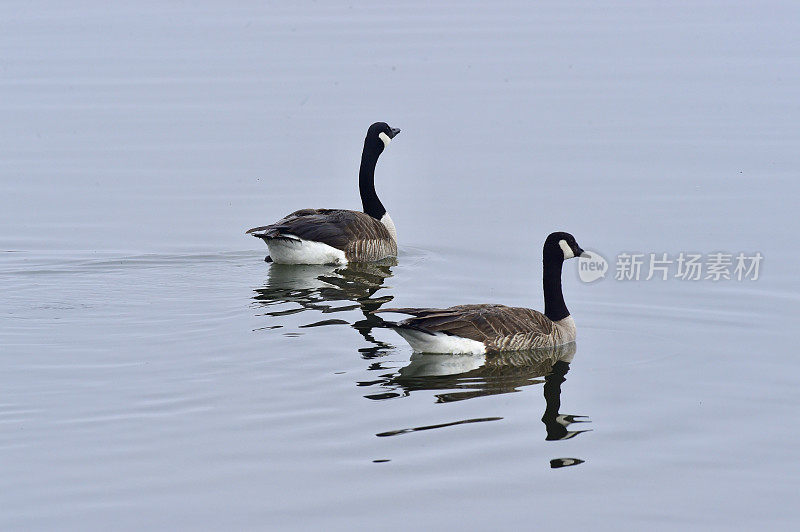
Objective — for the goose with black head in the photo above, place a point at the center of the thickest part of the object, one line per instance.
(488, 328)
(338, 236)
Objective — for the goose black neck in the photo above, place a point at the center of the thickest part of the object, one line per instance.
(366, 182)
(554, 306)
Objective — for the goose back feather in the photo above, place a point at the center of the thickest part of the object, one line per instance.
(361, 237)
(497, 327)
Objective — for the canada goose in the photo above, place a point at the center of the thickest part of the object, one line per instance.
(485, 328)
(338, 236)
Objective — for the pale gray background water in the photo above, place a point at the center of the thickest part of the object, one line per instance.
(156, 372)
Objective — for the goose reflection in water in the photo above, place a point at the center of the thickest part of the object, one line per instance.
(467, 376)
(329, 290)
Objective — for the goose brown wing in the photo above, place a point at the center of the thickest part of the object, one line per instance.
(491, 324)
(338, 228)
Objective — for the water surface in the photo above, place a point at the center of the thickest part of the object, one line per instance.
(157, 373)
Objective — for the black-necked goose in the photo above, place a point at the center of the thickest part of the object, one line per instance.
(490, 328)
(338, 236)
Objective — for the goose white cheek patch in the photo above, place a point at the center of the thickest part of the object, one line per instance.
(568, 254)
(385, 138)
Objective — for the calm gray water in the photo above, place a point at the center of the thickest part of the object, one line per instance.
(157, 374)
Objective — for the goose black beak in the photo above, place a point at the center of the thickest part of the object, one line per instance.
(393, 131)
(582, 253)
